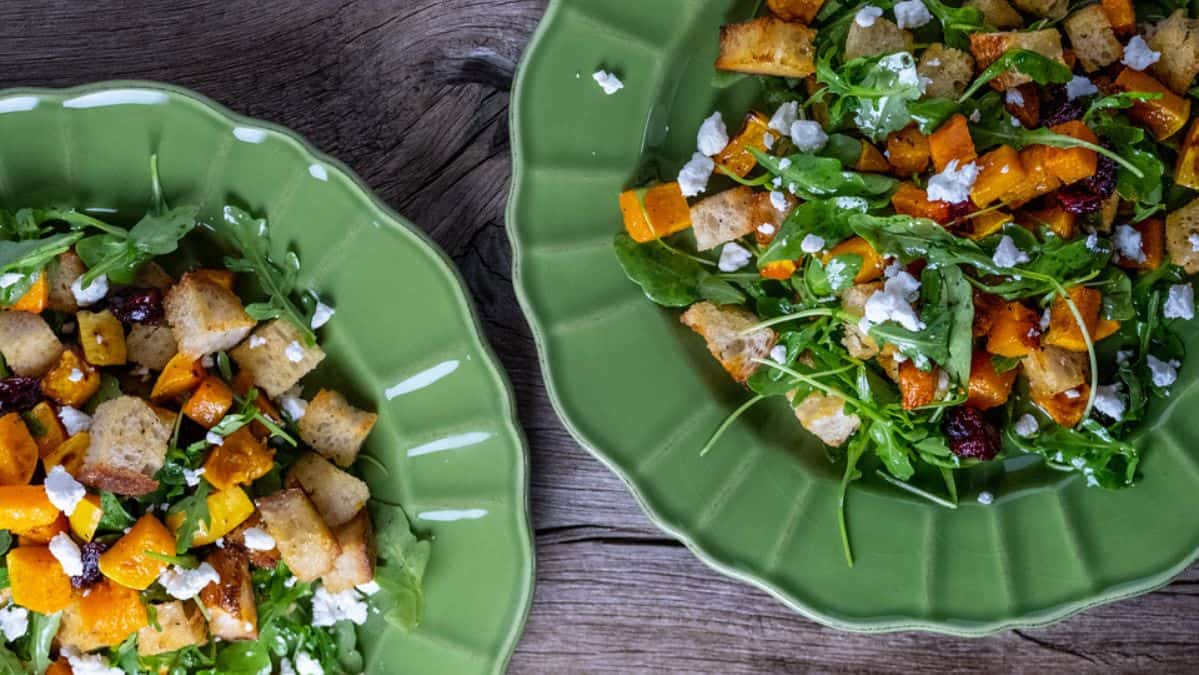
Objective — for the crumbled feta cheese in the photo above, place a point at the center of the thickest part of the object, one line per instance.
(306, 665)
(713, 136)
(976, 116)
(1163, 373)
(63, 491)
(894, 303)
(369, 588)
(1072, 394)
(784, 164)
(784, 117)
(67, 552)
(1180, 302)
(837, 274)
(192, 476)
(14, 622)
(953, 184)
(607, 81)
(1108, 401)
(293, 406)
(1080, 86)
(1026, 426)
(851, 203)
(1046, 316)
(812, 243)
(329, 608)
(74, 421)
(778, 354)
(1003, 170)
(693, 177)
(285, 668)
(1007, 255)
(777, 182)
(766, 229)
(808, 136)
(257, 539)
(289, 582)
(1128, 243)
(294, 352)
(986, 498)
(10, 279)
(88, 664)
(1193, 240)
(185, 584)
(256, 341)
(207, 361)
(321, 315)
(93, 293)
(911, 14)
(1014, 97)
(733, 257)
(1015, 121)
(1123, 356)
(213, 438)
(867, 15)
(768, 140)
(76, 375)
(1093, 242)
(1138, 55)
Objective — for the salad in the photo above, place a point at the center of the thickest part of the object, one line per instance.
(170, 499)
(947, 235)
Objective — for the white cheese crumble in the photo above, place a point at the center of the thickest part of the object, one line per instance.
(784, 117)
(213, 438)
(766, 229)
(778, 354)
(207, 361)
(837, 273)
(329, 608)
(293, 406)
(1015, 122)
(1079, 86)
(1026, 426)
(74, 421)
(1007, 255)
(192, 476)
(733, 257)
(976, 116)
(1014, 97)
(768, 140)
(867, 15)
(306, 665)
(953, 184)
(607, 81)
(67, 552)
(257, 539)
(88, 664)
(812, 243)
(911, 14)
(321, 315)
(784, 164)
(369, 588)
(894, 303)
(256, 341)
(1180, 302)
(10, 279)
(92, 294)
(1123, 356)
(14, 622)
(294, 352)
(808, 136)
(986, 498)
(713, 136)
(851, 203)
(63, 491)
(285, 668)
(1072, 394)
(1093, 242)
(185, 584)
(1128, 243)
(76, 375)
(693, 177)
(1193, 240)
(1138, 55)
(1045, 319)
(1163, 373)
(1108, 401)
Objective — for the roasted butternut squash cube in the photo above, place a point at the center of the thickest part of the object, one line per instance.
(654, 212)
(39, 536)
(18, 451)
(873, 263)
(870, 160)
(736, 156)
(1153, 246)
(36, 298)
(239, 460)
(127, 562)
(60, 667)
(181, 375)
(1164, 116)
(802, 11)
(767, 46)
(86, 517)
(1066, 408)
(917, 387)
(1064, 330)
(72, 381)
(779, 270)
(24, 508)
(1039, 180)
(102, 338)
(988, 389)
(1000, 171)
(988, 223)
(227, 508)
(1186, 169)
(1121, 15)
(1070, 165)
(910, 200)
(952, 141)
(37, 580)
(1015, 331)
(70, 453)
(1060, 221)
(908, 151)
(45, 427)
(111, 612)
(209, 403)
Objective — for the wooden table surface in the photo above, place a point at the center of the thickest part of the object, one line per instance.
(413, 94)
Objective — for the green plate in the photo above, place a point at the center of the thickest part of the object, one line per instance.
(404, 340)
(641, 392)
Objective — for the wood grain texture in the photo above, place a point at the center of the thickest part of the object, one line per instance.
(413, 95)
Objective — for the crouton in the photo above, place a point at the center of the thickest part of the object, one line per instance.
(182, 624)
(258, 557)
(151, 275)
(63, 272)
(1092, 38)
(723, 217)
(206, 317)
(1052, 370)
(767, 46)
(998, 13)
(986, 47)
(29, 347)
(128, 446)
(1049, 9)
(853, 300)
(150, 346)
(880, 37)
(356, 562)
(336, 494)
(802, 11)
(721, 327)
(824, 416)
(949, 71)
(335, 428)
(1182, 225)
(278, 363)
(302, 537)
(1177, 38)
(232, 611)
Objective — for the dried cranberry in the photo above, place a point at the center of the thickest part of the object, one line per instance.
(960, 209)
(18, 394)
(970, 434)
(89, 553)
(1103, 181)
(137, 305)
(1086, 196)
(1058, 107)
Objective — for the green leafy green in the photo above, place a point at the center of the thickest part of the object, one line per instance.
(812, 177)
(42, 629)
(1089, 449)
(195, 512)
(874, 90)
(1042, 70)
(113, 516)
(826, 218)
(948, 317)
(27, 258)
(10, 664)
(957, 23)
(930, 113)
(667, 278)
(401, 569)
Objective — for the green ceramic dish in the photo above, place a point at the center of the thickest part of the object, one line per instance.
(642, 393)
(404, 340)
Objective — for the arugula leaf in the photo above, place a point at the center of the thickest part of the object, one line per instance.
(930, 113)
(1089, 449)
(401, 568)
(948, 314)
(110, 388)
(957, 23)
(876, 90)
(827, 218)
(813, 178)
(669, 279)
(1004, 364)
(27, 258)
(9, 663)
(720, 290)
(251, 237)
(195, 512)
(42, 629)
(1042, 70)
(831, 279)
(1139, 153)
(120, 257)
(5, 541)
(113, 516)
(1117, 101)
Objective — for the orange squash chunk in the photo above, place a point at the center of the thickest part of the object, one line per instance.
(86, 517)
(1070, 165)
(1153, 245)
(209, 403)
(1121, 15)
(1186, 169)
(908, 151)
(46, 429)
(179, 376)
(69, 453)
(802, 11)
(910, 200)
(736, 156)
(1038, 178)
(1000, 171)
(779, 270)
(917, 387)
(986, 224)
(1015, 331)
(655, 212)
(988, 389)
(111, 613)
(240, 460)
(18, 451)
(127, 563)
(870, 160)
(37, 580)
(952, 141)
(872, 263)
(1060, 221)
(1164, 116)
(223, 278)
(72, 381)
(1063, 408)
(1064, 330)
(42, 535)
(60, 667)
(24, 508)
(36, 298)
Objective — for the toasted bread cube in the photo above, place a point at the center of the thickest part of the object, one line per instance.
(182, 624)
(151, 275)
(1049, 9)
(1052, 370)
(949, 71)
(278, 363)
(824, 416)
(151, 346)
(335, 428)
(721, 327)
(102, 338)
(986, 47)
(206, 317)
(128, 446)
(857, 341)
(29, 347)
(880, 37)
(767, 46)
(998, 13)
(1177, 38)
(356, 562)
(1092, 38)
(302, 537)
(63, 272)
(732, 214)
(232, 610)
(336, 494)
(1182, 236)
